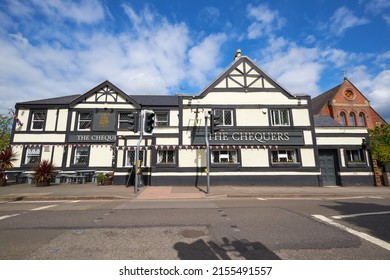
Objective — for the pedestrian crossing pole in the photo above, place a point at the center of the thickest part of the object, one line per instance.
(137, 164)
(206, 117)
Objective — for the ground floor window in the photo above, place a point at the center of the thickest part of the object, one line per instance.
(130, 158)
(284, 156)
(33, 155)
(81, 155)
(355, 156)
(166, 156)
(224, 156)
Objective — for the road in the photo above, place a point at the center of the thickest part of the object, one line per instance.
(250, 228)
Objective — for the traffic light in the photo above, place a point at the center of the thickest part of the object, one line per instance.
(133, 122)
(214, 123)
(149, 122)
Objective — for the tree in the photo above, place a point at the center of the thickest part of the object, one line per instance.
(380, 143)
(5, 130)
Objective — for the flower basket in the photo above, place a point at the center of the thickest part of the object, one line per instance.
(105, 179)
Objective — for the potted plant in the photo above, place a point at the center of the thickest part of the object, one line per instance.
(105, 178)
(44, 173)
(7, 156)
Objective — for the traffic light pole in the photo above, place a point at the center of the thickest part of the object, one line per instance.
(207, 152)
(137, 166)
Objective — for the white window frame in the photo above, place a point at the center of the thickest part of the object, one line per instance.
(277, 116)
(222, 114)
(35, 120)
(159, 122)
(224, 157)
(79, 120)
(77, 156)
(164, 153)
(142, 158)
(285, 156)
(32, 152)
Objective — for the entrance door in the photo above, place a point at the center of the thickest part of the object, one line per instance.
(328, 167)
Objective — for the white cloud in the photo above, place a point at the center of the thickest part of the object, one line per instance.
(150, 56)
(377, 6)
(264, 22)
(343, 19)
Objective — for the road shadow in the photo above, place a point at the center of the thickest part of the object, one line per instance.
(227, 250)
(376, 225)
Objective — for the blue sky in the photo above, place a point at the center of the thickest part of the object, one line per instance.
(55, 48)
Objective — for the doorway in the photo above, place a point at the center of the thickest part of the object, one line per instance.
(328, 165)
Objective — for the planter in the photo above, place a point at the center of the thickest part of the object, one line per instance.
(106, 182)
(3, 182)
(42, 184)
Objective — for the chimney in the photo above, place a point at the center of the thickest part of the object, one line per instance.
(238, 54)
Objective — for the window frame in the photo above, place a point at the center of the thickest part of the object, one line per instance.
(158, 122)
(79, 120)
(26, 155)
(227, 154)
(166, 150)
(74, 156)
(343, 119)
(362, 119)
(34, 121)
(285, 153)
(352, 119)
(223, 116)
(127, 156)
(350, 153)
(279, 111)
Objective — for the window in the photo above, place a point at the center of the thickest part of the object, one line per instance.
(38, 121)
(81, 155)
(33, 155)
(166, 157)
(352, 119)
(280, 117)
(161, 119)
(123, 119)
(362, 119)
(224, 156)
(85, 121)
(130, 158)
(284, 156)
(343, 119)
(355, 156)
(226, 116)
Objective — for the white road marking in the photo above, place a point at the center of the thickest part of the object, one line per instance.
(43, 207)
(362, 235)
(8, 216)
(360, 214)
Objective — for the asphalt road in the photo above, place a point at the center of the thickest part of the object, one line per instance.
(226, 229)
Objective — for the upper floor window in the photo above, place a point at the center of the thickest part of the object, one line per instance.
(161, 119)
(123, 120)
(343, 119)
(352, 119)
(33, 155)
(226, 116)
(280, 117)
(362, 119)
(38, 121)
(84, 121)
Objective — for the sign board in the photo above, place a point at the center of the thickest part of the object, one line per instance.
(249, 137)
(92, 138)
(104, 121)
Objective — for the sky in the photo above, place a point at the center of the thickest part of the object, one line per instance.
(61, 47)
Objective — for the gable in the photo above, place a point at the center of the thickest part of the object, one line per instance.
(106, 92)
(244, 75)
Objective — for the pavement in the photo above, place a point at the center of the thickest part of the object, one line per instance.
(90, 191)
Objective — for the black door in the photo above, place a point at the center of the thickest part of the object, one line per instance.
(328, 167)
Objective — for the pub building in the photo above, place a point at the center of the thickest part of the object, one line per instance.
(266, 135)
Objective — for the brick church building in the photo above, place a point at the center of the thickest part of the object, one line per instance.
(348, 106)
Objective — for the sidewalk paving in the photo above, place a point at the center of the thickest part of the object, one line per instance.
(91, 191)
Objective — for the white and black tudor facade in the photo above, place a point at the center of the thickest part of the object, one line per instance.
(267, 135)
